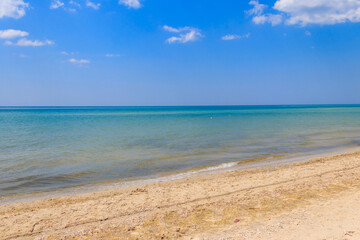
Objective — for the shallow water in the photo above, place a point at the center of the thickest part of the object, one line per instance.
(43, 149)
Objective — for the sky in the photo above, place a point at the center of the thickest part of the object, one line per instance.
(179, 52)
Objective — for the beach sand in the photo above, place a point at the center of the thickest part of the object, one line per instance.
(317, 199)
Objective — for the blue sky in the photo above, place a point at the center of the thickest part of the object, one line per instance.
(179, 52)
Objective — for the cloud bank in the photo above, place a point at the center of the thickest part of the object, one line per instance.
(304, 12)
(13, 8)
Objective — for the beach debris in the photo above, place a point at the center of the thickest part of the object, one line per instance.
(236, 220)
(131, 229)
(138, 190)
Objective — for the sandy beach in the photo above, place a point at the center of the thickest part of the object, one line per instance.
(194, 120)
(316, 199)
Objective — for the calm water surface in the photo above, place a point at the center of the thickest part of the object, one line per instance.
(44, 149)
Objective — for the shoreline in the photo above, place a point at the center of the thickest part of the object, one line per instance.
(95, 187)
(226, 204)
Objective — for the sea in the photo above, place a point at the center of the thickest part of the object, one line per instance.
(46, 149)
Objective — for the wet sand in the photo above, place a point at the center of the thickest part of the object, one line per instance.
(317, 199)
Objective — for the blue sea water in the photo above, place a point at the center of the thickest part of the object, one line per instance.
(49, 148)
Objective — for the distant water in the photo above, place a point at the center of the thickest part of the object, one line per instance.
(49, 148)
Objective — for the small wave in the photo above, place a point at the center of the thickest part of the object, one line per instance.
(204, 170)
(218, 167)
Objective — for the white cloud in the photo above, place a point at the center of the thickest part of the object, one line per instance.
(172, 29)
(131, 3)
(258, 8)
(273, 19)
(12, 8)
(306, 12)
(23, 42)
(113, 55)
(234, 36)
(79, 61)
(56, 4)
(187, 34)
(11, 33)
(29, 43)
(319, 11)
(74, 3)
(258, 14)
(95, 6)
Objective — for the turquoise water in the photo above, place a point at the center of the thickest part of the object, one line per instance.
(44, 149)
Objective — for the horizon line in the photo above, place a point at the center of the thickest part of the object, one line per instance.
(219, 105)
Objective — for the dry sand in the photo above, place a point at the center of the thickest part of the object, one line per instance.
(317, 199)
